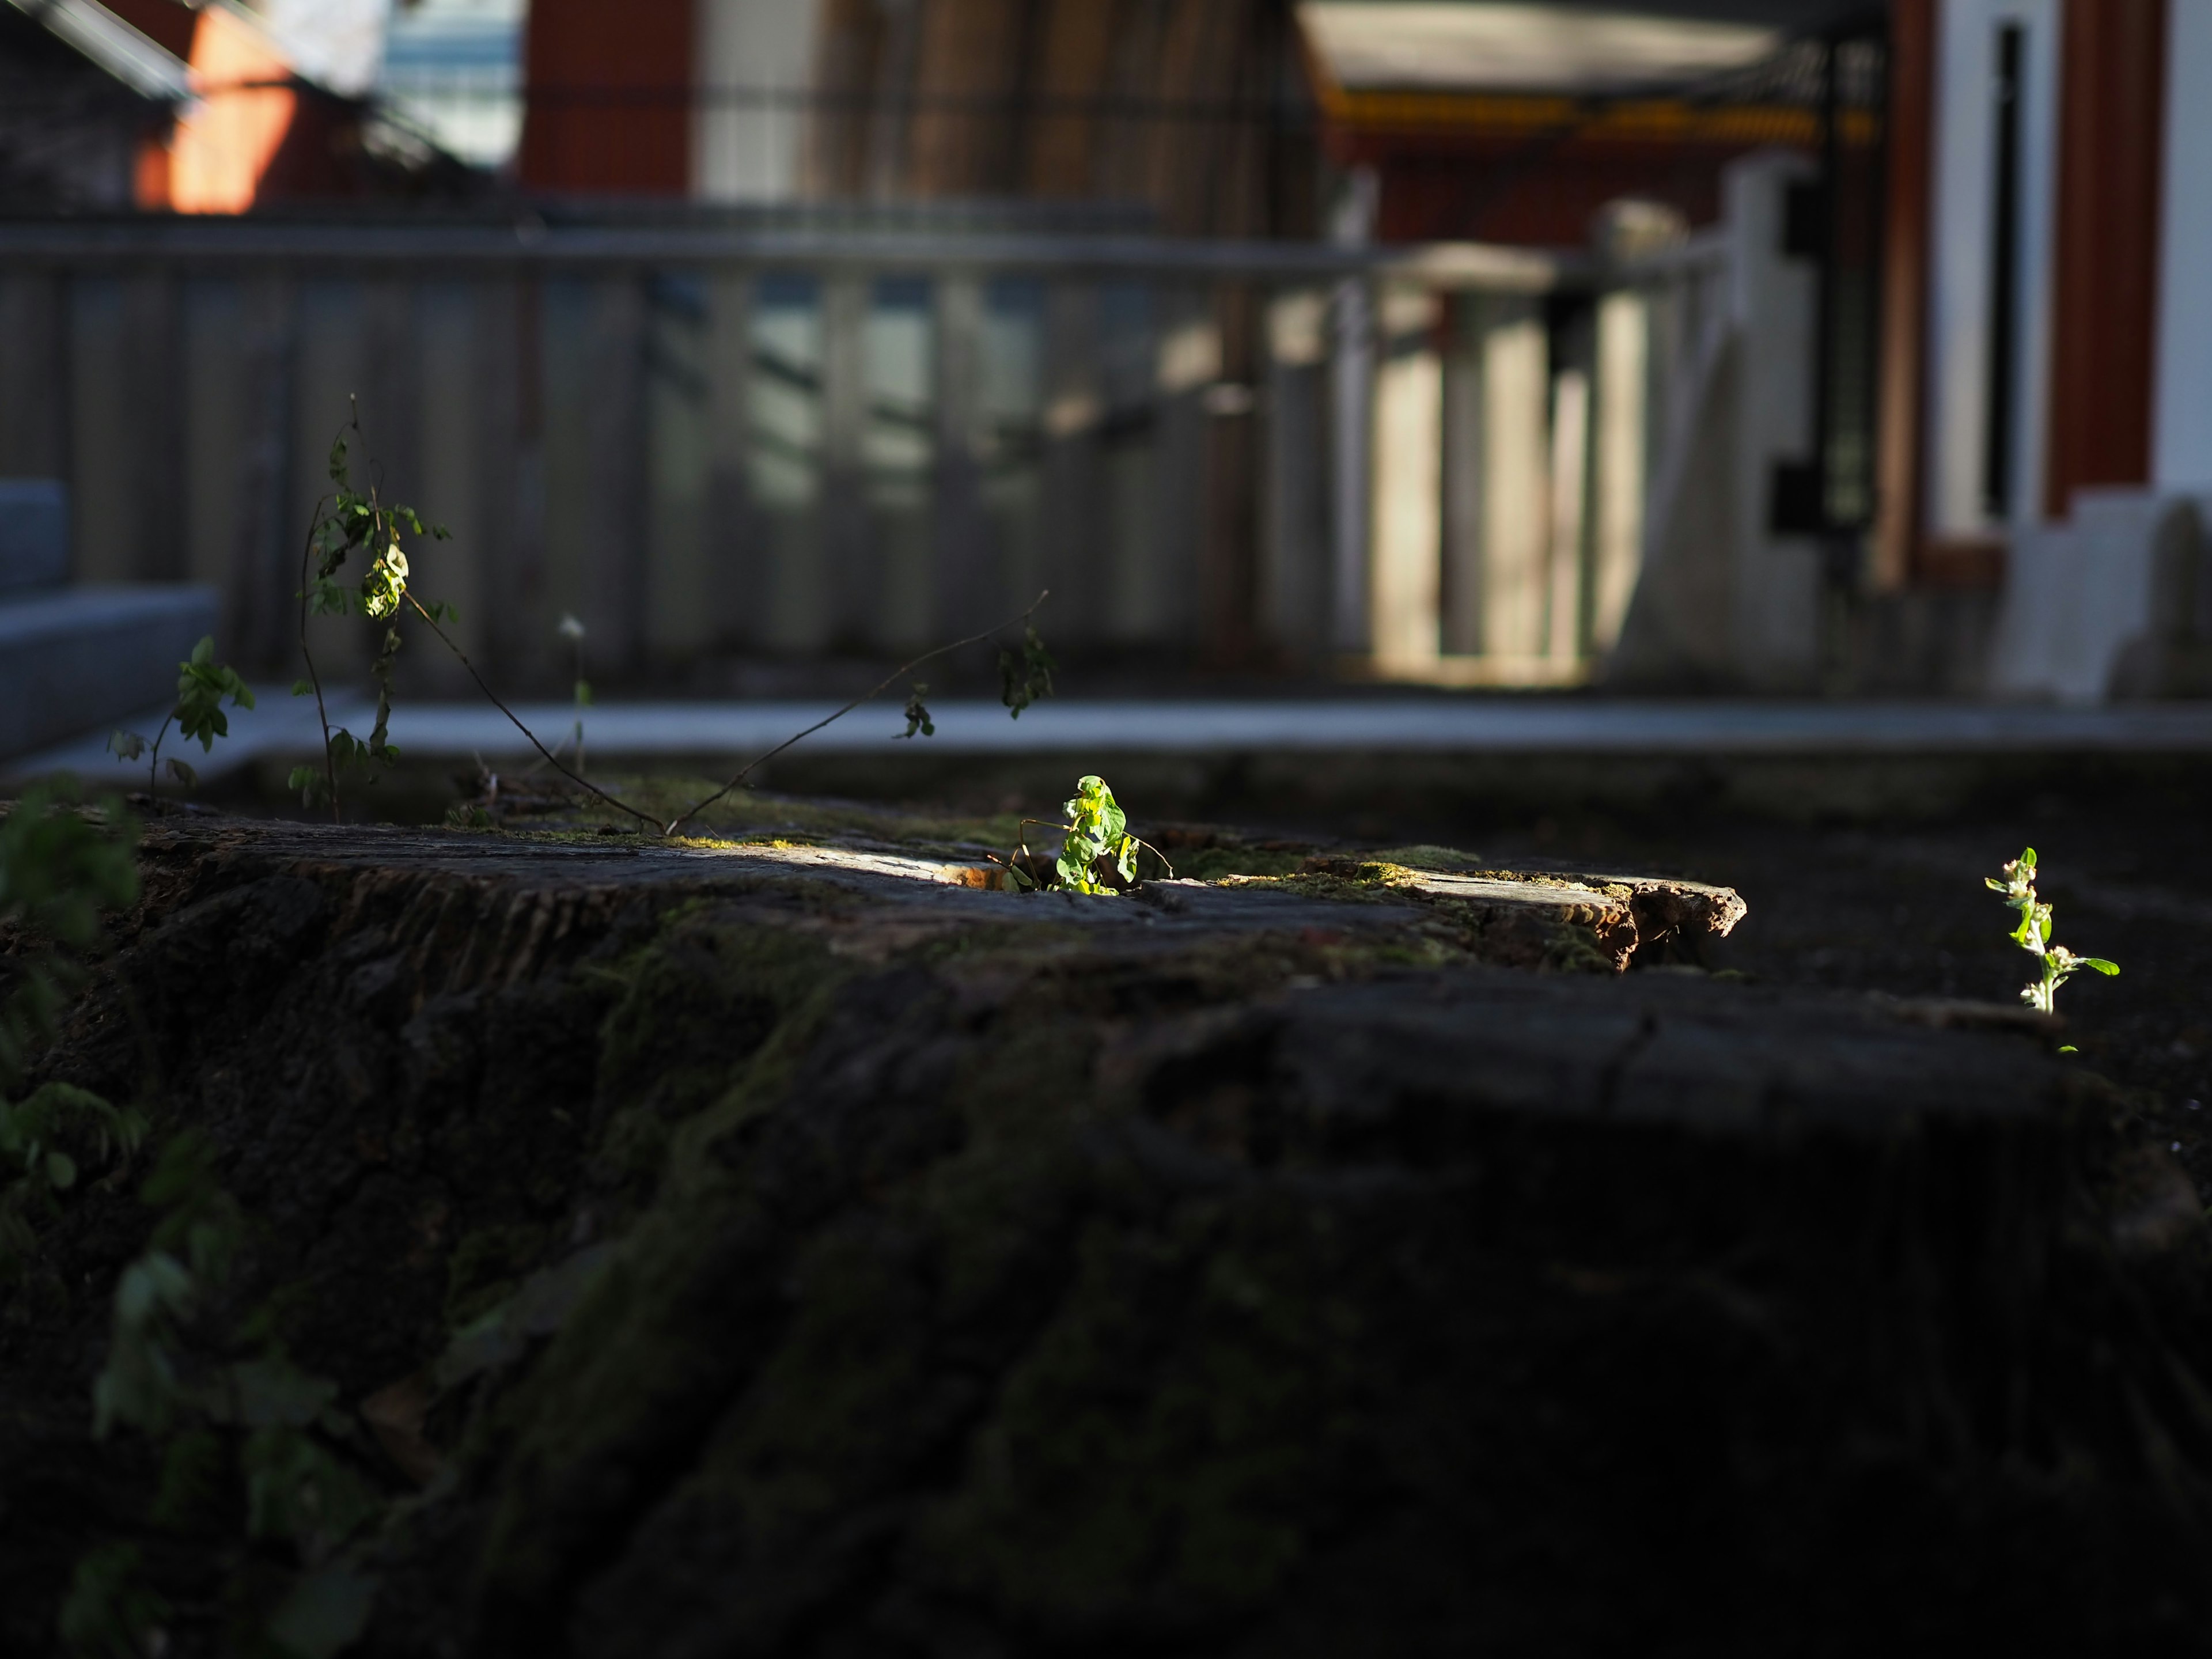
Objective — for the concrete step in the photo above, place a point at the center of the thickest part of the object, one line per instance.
(76, 659)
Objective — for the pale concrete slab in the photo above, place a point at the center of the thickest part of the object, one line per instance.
(620, 732)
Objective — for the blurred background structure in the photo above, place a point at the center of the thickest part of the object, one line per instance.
(1773, 346)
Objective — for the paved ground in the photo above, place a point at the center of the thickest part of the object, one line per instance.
(281, 725)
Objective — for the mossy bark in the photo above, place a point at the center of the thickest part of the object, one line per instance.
(800, 1251)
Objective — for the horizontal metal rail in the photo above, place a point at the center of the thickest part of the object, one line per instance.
(1451, 265)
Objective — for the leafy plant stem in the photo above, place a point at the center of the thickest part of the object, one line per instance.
(322, 713)
(881, 686)
(615, 802)
(154, 765)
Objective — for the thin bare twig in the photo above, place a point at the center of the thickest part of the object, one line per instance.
(882, 686)
(614, 801)
(314, 678)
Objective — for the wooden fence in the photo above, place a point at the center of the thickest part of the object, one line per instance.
(720, 445)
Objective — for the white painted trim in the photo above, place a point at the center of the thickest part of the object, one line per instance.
(1958, 334)
(2181, 430)
(751, 152)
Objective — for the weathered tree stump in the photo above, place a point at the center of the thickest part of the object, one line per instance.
(806, 1249)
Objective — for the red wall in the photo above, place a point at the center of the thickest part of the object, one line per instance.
(609, 88)
(2112, 123)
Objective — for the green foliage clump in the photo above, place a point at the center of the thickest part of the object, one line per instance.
(1097, 843)
(2058, 963)
(348, 521)
(202, 684)
(238, 1425)
(59, 868)
(1026, 675)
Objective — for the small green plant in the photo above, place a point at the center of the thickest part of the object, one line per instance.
(1097, 841)
(108, 1612)
(202, 684)
(347, 521)
(2058, 963)
(573, 631)
(60, 866)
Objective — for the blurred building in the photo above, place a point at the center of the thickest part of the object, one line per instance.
(1780, 344)
(207, 107)
(1196, 108)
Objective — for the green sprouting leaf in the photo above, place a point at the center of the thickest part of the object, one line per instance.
(266, 1393)
(182, 772)
(324, 1613)
(2107, 969)
(191, 1479)
(204, 652)
(917, 712)
(303, 688)
(583, 694)
(297, 1492)
(109, 1612)
(61, 1171)
(1025, 678)
(1125, 857)
(126, 745)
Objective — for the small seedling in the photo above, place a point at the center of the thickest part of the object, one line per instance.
(2058, 963)
(202, 684)
(1096, 834)
(573, 631)
(347, 519)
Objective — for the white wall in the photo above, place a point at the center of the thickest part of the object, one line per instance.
(2181, 431)
(1963, 212)
(751, 152)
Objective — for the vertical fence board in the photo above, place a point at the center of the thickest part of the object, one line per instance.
(896, 450)
(1076, 527)
(1293, 577)
(1515, 477)
(1351, 396)
(34, 394)
(1189, 360)
(154, 430)
(1135, 576)
(611, 577)
(263, 571)
(964, 600)
(497, 599)
(1624, 331)
(1013, 417)
(331, 370)
(102, 476)
(848, 572)
(449, 477)
(738, 565)
(1461, 603)
(1228, 555)
(680, 600)
(216, 351)
(1405, 568)
(786, 468)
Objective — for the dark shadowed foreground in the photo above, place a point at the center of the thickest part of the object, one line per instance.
(774, 1249)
